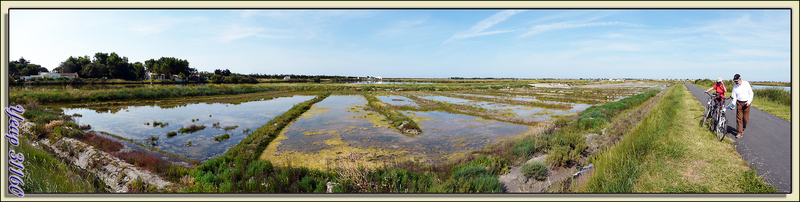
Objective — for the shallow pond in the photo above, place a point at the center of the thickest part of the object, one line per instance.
(576, 107)
(785, 88)
(130, 123)
(337, 132)
(507, 110)
(381, 82)
(397, 100)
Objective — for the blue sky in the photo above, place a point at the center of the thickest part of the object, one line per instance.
(570, 43)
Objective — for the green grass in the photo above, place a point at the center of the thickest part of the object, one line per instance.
(399, 120)
(567, 146)
(537, 170)
(73, 95)
(225, 173)
(596, 115)
(779, 110)
(668, 153)
(45, 173)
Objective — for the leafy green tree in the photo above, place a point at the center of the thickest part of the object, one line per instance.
(119, 68)
(94, 70)
(32, 69)
(139, 71)
(13, 71)
(182, 76)
(72, 64)
(23, 61)
(100, 58)
(216, 78)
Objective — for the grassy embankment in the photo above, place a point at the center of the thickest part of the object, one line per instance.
(75, 95)
(567, 146)
(774, 101)
(239, 169)
(52, 124)
(400, 121)
(668, 153)
(48, 173)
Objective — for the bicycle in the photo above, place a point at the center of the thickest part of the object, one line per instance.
(716, 114)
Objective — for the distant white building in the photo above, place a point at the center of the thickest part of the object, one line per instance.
(50, 75)
(155, 76)
(378, 77)
(287, 77)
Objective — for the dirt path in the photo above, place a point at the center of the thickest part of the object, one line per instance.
(766, 145)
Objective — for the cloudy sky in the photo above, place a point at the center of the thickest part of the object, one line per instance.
(429, 43)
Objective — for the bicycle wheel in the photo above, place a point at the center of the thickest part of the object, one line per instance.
(722, 126)
(706, 115)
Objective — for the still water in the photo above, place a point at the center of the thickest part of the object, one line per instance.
(130, 122)
(785, 88)
(339, 131)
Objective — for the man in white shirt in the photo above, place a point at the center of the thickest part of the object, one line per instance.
(742, 95)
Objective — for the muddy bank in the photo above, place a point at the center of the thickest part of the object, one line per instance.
(114, 172)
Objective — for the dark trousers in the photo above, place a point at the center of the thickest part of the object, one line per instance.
(742, 115)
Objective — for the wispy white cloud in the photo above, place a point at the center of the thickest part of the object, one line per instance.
(574, 23)
(237, 32)
(478, 29)
(302, 24)
(565, 25)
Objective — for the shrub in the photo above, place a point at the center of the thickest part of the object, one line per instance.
(471, 172)
(77, 134)
(72, 125)
(528, 148)
(481, 184)
(566, 148)
(776, 95)
(39, 131)
(486, 184)
(524, 149)
(537, 170)
(172, 134)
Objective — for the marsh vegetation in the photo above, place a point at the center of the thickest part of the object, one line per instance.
(404, 137)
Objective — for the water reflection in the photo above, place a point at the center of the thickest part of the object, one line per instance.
(137, 123)
(507, 110)
(341, 131)
(397, 100)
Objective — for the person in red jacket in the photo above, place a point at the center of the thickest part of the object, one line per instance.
(720, 87)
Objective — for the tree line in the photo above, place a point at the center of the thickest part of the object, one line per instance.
(113, 66)
(109, 66)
